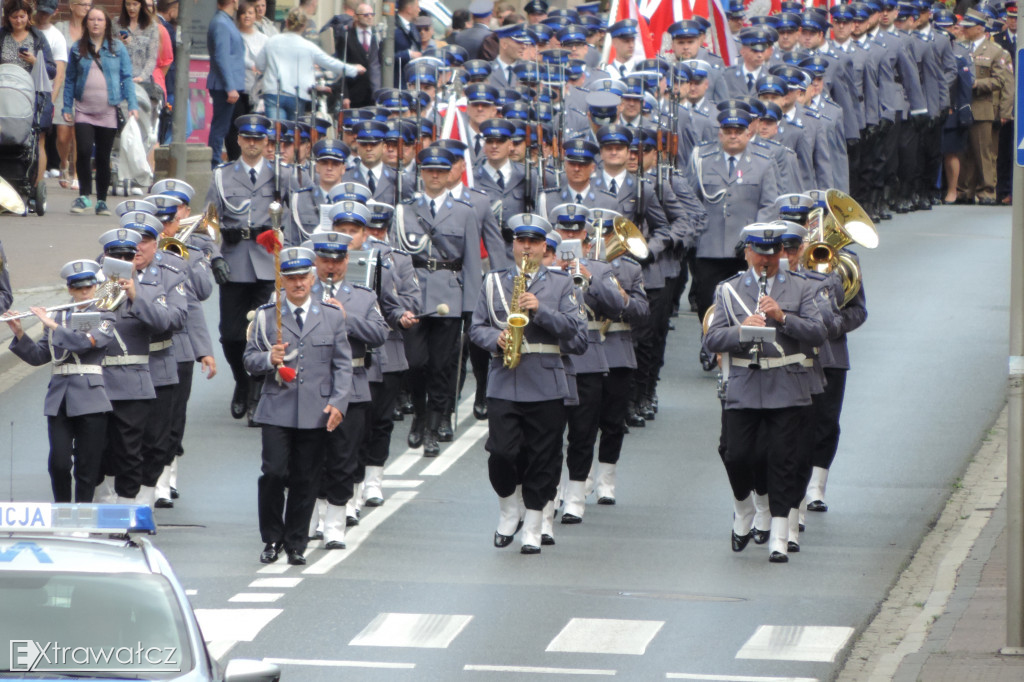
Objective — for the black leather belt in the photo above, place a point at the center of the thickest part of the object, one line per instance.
(433, 264)
(234, 235)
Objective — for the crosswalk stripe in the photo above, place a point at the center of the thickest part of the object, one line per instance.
(736, 678)
(234, 625)
(407, 460)
(453, 452)
(536, 670)
(256, 597)
(320, 663)
(354, 537)
(418, 630)
(605, 636)
(276, 583)
(796, 643)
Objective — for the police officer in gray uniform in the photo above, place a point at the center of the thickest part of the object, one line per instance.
(329, 156)
(243, 192)
(76, 404)
(381, 178)
(767, 388)
(171, 273)
(525, 410)
(308, 381)
(441, 235)
(343, 472)
(143, 314)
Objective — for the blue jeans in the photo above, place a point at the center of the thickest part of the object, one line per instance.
(282, 107)
(220, 124)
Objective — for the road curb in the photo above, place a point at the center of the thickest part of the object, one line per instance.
(923, 590)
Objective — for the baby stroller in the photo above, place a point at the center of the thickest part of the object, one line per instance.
(20, 109)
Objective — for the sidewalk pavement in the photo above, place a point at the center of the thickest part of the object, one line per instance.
(945, 618)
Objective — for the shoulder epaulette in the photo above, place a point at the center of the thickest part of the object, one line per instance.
(477, 190)
(325, 304)
(462, 201)
(266, 305)
(557, 271)
(401, 251)
(737, 276)
(710, 152)
(812, 113)
(760, 154)
(811, 274)
(364, 288)
(630, 260)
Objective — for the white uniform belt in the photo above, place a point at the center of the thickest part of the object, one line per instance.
(774, 363)
(358, 362)
(159, 345)
(121, 360)
(540, 348)
(613, 327)
(72, 369)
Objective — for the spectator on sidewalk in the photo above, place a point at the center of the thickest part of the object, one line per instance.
(72, 30)
(226, 81)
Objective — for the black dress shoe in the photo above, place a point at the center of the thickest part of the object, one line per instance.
(239, 401)
(415, 438)
(571, 519)
(645, 410)
(759, 536)
(802, 527)
(529, 549)
(174, 494)
(351, 521)
(739, 542)
(707, 361)
(333, 544)
(445, 433)
(546, 540)
(608, 501)
(817, 506)
(296, 558)
(270, 553)
(778, 558)
(397, 415)
(792, 546)
(405, 404)
(884, 213)
(480, 410)
(654, 402)
(430, 444)
(502, 540)
(163, 503)
(633, 419)
(374, 502)
(317, 535)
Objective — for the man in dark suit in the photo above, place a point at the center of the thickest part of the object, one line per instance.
(471, 38)
(407, 37)
(227, 72)
(356, 44)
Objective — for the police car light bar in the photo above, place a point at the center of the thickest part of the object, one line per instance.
(42, 517)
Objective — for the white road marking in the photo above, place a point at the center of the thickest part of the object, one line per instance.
(605, 636)
(316, 663)
(736, 678)
(537, 670)
(191, 593)
(796, 643)
(354, 537)
(275, 569)
(453, 452)
(219, 650)
(401, 483)
(417, 630)
(234, 625)
(405, 461)
(275, 583)
(256, 597)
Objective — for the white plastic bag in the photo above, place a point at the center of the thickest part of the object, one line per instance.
(131, 159)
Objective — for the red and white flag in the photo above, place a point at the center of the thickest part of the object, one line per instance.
(645, 44)
(451, 129)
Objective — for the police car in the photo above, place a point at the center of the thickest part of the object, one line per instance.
(84, 596)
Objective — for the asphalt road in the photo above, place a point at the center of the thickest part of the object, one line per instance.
(648, 589)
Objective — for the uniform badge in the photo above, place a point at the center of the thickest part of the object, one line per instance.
(162, 300)
(572, 297)
(106, 326)
(180, 288)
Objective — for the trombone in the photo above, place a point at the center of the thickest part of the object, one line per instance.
(208, 223)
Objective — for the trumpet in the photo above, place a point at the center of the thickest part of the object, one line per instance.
(209, 223)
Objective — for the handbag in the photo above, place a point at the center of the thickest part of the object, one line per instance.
(120, 118)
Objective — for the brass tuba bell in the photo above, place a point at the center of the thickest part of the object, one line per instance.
(828, 233)
(208, 223)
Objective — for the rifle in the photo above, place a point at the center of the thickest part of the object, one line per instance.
(659, 186)
(528, 203)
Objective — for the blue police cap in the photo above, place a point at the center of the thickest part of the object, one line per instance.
(529, 226)
(906, 10)
(497, 128)
(794, 204)
(699, 69)
(572, 15)
(762, 20)
(581, 150)
(573, 216)
(166, 205)
(516, 32)
(481, 92)
(859, 11)
(132, 205)
(552, 239)
(146, 224)
(793, 234)
(321, 123)
(393, 98)
(754, 37)
(771, 84)
(763, 238)
(252, 125)
(943, 18)
(814, 21)
(456, 147)
(734, 118)
(603, 106)
(816, 65)
(924, 5)
(770, 111)
(426, 127)
(436, 158)
(787, 21)
(841, 13)
(526, 72)
(404, 128)
(536, 7)
(646, 136)
(454, 55)
(687, 28)
(627, 28)
(792, 57)
(370, 131)
(175, 188)
(635, 86)
(330, 244)
(518, 130)
(297, 260)
(538, 34)
(756, 109)
(575, 68)
(888, 4)
(518, 111)
(591, 23)
(120, 239)
(350, 117)
(794, 76)
(741, 103)
(80, 273)
(380, 213)
(556, 24)
(349, 191)
(572, 34)
(614, 134)
(555, 57)
(795, 6)
(613, 85)
(657, 65)
(681, 73)
(330, 149)
(423, 73)
(481, 8)
(350, 212)
(734, 9)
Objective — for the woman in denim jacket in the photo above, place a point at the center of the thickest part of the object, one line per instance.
(93, 94)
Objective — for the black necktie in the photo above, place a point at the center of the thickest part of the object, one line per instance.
(372, 182)
(433, 213)
(501, 180)
(614, 187)
(579, 198)
(508, 77)
(750, 81)
(252, 175)
(622, 70)
(298, 317)
(732, 167)
(476, 145)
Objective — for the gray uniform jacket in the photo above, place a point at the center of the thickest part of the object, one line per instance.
(839, 86)
(244, 210)
(865, 82)
(768, 388)
(367, 329)
(305, 206)
(450, 239)
(909, 97)
(384, 188)
(929, 64)
(618, 341)
(785, 163)
(735, 81)
(513, 200)
(601, 300)
(829, 313)
(560, 320)
(833, 120)
(850, 317)
(171, 272)
(68, 349)
(732, 204)
(399, 282)
(321, 357)
(499, 253)
(193, 342)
